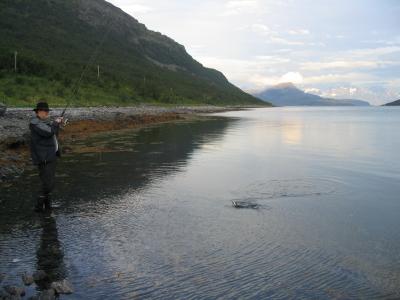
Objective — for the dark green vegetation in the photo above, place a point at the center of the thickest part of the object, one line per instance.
(286, 94)
(55, 40)
(394, 103)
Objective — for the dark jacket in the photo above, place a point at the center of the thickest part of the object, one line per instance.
(44, 142)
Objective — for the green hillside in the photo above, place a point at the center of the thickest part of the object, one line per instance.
(56, 39)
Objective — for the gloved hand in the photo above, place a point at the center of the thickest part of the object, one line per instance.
(59, 120)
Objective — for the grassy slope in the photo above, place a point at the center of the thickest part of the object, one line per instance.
(56, 38)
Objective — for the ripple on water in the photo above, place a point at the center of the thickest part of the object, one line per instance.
(254, 271)
(285, 188)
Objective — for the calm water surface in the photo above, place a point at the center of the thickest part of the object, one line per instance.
(148, 213)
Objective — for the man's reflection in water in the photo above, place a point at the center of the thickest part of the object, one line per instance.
(50, 256)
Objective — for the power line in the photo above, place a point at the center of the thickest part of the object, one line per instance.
(77, 84)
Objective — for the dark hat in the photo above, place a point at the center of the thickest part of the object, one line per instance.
(42, 106)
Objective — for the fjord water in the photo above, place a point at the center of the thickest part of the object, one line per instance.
(148, 213)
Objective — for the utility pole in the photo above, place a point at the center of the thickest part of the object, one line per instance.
(98, 72)
(15, 61)
(144, 86)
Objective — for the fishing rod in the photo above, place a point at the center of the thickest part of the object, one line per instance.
(65, 109)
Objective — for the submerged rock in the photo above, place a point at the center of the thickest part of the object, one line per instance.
(4, 295)
(62, 287)
(27, 279)
(15, 290)
(47, 295)
(13, 297)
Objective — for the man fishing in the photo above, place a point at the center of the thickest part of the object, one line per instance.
(45, 151)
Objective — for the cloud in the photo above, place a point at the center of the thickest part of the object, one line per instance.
(313, 90)
(262, 28)
(252, 73)
(383, 95)
(394, 41)
(260, 82)
(293, 77)
(272, 36)
(374, 52)
(335, 36)
(282, 41)
(341, 64)
(240, 4)
(236, 7)
(271, 59)
(139, 8)
(395, 83)
(132, 7)
(339, 78)
(240, 70)
(299, 32)
(284, 50)
(352, 91)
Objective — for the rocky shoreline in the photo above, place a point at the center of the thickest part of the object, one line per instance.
(30, 283)
(14, 131)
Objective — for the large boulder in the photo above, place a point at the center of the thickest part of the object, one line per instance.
(3, 109)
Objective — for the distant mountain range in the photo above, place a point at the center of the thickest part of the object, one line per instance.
(394, 103)
(287, 94)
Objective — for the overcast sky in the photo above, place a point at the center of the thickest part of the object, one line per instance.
(335, 48)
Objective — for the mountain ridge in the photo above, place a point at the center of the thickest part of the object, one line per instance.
(287, 94)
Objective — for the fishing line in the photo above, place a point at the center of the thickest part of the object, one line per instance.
(76, 87)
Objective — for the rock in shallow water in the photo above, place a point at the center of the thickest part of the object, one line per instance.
(27, 279)
(244, 204)
(47, 295)
(15, 290)
(62, 287)
(4, 295)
